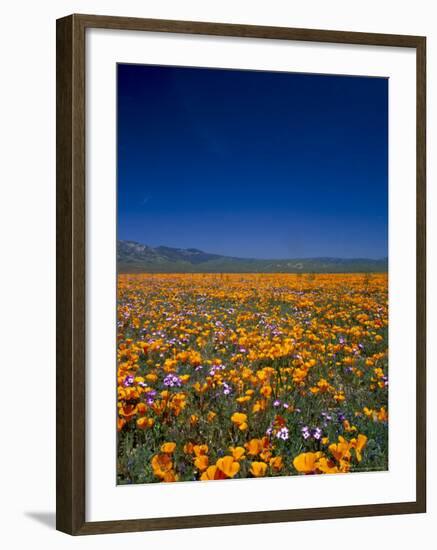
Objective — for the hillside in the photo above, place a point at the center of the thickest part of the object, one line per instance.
(134, 257)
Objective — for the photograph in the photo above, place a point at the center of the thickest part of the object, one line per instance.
(252, 274)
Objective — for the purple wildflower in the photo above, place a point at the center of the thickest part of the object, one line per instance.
(128, 381)
(150, 399)
(226, 388)
(282, 433)
(216, 368)
(172, 380)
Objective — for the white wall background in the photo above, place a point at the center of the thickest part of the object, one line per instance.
(27, 301)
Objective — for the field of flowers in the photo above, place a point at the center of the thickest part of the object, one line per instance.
(247, 375)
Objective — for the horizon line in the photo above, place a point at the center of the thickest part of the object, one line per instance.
(318, 257)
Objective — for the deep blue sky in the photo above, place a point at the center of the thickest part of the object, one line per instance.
(253, 164)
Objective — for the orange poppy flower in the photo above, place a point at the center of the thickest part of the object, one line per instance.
(143, 423)
(170, 476)
(340, 450)
(348, 427)
(161, 464)
(127, 411)
(266, 455)
(240, 420)
(168, 447)
(258, 469)
(228, 466)
(276, 463)
(344, 466)
(359, 444)
(306, 463)
(201, 462)
(200, 450)
(212, 472)
(237, 452)
(254, 446)
(327, 466)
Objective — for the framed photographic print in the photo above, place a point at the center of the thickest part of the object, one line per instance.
(240, 274)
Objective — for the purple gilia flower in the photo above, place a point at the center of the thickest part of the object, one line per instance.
(285, 405)
(150, 399)
(226, 388)
(316, 433)
(172, 380)
(306, 432)
(282, 433)
(216, 368)
(276, 403)
(128, 381)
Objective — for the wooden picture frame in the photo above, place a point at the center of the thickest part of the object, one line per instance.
(71, 254)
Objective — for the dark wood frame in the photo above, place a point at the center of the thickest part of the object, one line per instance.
(70, 275)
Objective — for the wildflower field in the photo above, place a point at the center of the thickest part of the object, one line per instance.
(248, 375)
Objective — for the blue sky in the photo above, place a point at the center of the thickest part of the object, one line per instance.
(253, 164)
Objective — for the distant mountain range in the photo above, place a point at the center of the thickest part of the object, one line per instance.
(134, 257)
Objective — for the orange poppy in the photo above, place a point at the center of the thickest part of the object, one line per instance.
(212, 472)
(306, 463)
(168, 447)
(161, 464)
(200, 450)
(359, 444)
(254, 446)
(201, 462)
(240, 420)
(327, 466)
(237, 452)
(276, 463)
(228, 466)
(144, 422)
(258, 469)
